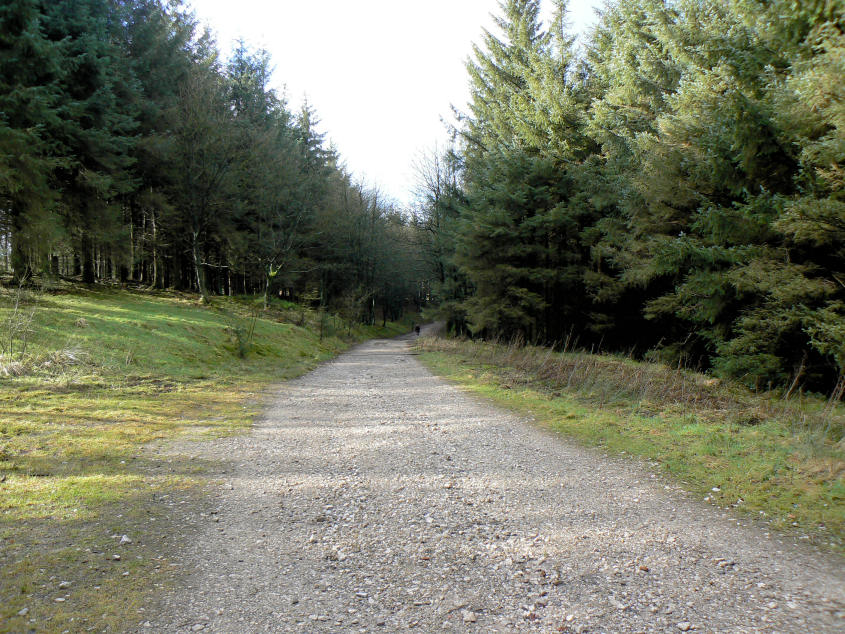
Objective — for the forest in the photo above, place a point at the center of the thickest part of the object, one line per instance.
(670, 187)
(130, 152)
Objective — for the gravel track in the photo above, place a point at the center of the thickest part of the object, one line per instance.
(374, 496)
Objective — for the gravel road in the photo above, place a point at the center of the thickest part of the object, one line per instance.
(374, 496)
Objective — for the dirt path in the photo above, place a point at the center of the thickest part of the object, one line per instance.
(376, 497)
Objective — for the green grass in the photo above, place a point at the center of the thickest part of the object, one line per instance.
(105, 376)
(782, 462)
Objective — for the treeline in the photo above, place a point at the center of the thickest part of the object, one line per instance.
(674, 186)
(130, 152)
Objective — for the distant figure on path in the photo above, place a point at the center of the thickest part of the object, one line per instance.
(417, 330)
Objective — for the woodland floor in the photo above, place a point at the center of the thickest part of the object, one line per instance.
(374, 496)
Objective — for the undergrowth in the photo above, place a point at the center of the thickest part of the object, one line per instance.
(781, 460)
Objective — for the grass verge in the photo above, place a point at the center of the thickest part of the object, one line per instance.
(87, 381)
(781, 461)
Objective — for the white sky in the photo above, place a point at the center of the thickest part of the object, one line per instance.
(380, 73)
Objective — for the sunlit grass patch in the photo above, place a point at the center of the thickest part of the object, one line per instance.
(55, 496)
(735, 449)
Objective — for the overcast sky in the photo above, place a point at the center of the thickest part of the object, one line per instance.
(380, 73)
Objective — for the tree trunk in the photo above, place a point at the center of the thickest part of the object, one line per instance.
(21, 267)
(87, 255)
(132, 266)
(200, 276)
(154, 274)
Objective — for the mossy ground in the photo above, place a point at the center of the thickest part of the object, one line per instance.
(105, 374)
(736, 449)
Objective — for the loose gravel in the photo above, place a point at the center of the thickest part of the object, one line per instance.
(374, 496)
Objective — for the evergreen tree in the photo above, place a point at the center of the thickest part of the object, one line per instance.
(275, 193)
(98, 122)
(519, 247)
(715, 178)
(499, 75)
(120, 128)
(812, 223)
(30, 93)
(537, 233)
(157, 39)
(203, 151)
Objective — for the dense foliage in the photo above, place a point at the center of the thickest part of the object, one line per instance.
(130, 152)
(677, 185)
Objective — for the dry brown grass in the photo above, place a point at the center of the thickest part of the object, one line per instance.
(608, 379)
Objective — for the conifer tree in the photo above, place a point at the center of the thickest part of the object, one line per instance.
(499, 73)
(96, 136)
(157, 38)
(520, 250)
(120, 128)
(716, 175)
(535, 232)
(204, 149)
(30, 93)
(274, 192)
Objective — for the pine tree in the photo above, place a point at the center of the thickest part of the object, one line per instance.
(520, 245)
(157, 39)
(499, 75)
(30, 92)
(554, 110)
(203, 152)
(275, 193)
(529, 212)
(717, 174)
(812, 223)
(96, 136)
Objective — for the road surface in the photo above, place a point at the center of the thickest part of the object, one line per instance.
(375, 497)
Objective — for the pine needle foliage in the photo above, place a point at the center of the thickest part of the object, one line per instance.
(674, 185)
